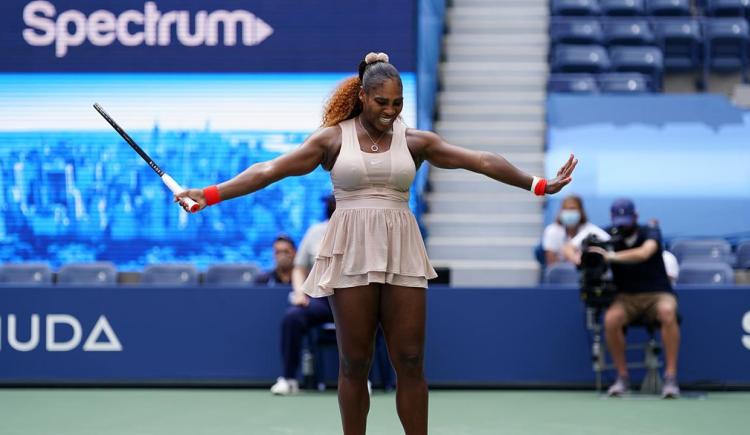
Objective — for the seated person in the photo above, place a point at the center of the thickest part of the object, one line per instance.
(571, 221)
(284, 251)
(643, 292)
(305, 312)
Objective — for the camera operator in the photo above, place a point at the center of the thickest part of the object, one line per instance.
(644, 292)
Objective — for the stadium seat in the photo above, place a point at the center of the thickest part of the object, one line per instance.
(575, 30)
(627, 31)
(631, 83)
(561, 274)
(88, 274)
(580, 58)
(743, 255)
(572, 83)
(622, 7)
(726, 45)
(670, 8)
(706, 251)
(726, 8)
(25, 274)
(705, 273)
(680, 41)
(574, 7)
(170, 274)
(232, 274)
(644, 60)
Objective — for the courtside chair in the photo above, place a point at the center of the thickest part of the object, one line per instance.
(726, 46)
(681, 42)
(627, 31)
(574, 7)
(561, 273)
(26, 274)
(88, 274)
(668, 8)
(743, 255)
(702, 250)
(232, 274)
(694, 272)
(572, 83)
(179, 274)
(623, 83)
(726, 8)
(580, 59)
(575, 30)
(644, 60)
(622, 7)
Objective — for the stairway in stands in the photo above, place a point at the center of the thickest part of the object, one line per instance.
(492, 98)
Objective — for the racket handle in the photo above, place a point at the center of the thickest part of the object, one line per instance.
(176, 188)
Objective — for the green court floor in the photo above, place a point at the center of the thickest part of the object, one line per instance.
(253, 411)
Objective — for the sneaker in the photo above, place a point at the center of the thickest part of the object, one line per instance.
(285, 387)
(670, 389)
(619, 388)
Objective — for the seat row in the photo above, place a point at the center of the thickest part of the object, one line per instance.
(596, 59)
(105, 273)
(717, 8)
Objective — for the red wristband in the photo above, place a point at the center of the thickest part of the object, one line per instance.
(211, 193)
(540, 187)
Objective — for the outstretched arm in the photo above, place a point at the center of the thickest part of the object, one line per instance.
(431, 147)
(300, 161)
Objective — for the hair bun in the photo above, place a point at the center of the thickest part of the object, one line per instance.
(373, 57)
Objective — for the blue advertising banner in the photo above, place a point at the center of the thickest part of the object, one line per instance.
(203, 36)
(231, 335)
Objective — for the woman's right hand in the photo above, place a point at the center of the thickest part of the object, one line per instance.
(194, 194)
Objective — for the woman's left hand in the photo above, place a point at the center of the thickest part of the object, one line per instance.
(556, 184)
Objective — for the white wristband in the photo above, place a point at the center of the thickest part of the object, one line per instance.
(534, 182)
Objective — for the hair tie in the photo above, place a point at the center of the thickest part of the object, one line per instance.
(373, 57)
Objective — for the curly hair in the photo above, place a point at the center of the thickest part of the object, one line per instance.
(344, 101)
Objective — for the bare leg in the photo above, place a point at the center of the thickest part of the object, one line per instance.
(403, 319)
(614, 321)
(666, 312)
(355, 312)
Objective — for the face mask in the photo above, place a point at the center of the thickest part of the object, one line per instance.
(570, 218)
(626, 230)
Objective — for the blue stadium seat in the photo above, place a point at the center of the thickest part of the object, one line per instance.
(706, 250)
(726, 45)
(88, 274)
(681, 43)
(668, 8)
(628, 31)
(561, 274)
(25, 274)
(572, 83)
(705, 273)
(575, 30)
(580, 58)
(726, 8)
(232, 274)
(622, 7)
(630, 83)
(574, 7)
(170, 274)
(743, 255)
(644, 60)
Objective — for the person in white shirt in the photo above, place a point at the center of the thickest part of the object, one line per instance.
(571, 222)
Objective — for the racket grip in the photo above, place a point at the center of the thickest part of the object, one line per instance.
(176, 188)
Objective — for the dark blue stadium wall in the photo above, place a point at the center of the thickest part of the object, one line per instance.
(684, 159)
(528, 336)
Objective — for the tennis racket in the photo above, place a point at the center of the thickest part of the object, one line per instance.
(169, 181)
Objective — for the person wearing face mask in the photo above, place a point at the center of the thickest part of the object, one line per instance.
(571, 221)
(644, 292)
(284, 251)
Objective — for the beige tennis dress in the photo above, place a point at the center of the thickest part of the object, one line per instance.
(373, 235)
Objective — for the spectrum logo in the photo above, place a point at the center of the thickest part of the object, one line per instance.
(134, 28)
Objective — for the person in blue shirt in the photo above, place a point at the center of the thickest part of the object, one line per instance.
(284, 251)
